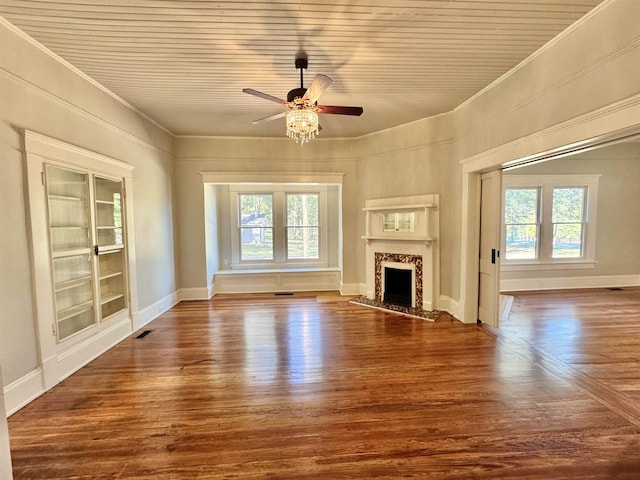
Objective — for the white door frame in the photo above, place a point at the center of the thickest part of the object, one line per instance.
(490, 242)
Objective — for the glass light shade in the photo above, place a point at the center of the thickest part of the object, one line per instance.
(302, 125)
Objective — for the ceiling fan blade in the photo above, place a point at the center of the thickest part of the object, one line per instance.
(266, 96)
(269, 118)
(319, 85)
(339, 110)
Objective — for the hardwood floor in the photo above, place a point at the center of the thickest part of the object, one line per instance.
(311, 386)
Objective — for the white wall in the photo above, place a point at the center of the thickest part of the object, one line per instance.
(40, 93)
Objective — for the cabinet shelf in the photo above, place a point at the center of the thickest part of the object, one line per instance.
(75, 310)
(112, 274)
(105, 202)
(76, 282)
(71, 252)
(110, 297)
(107, 227)
(65, 197)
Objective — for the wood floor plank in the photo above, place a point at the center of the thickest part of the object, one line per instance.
(302, 387)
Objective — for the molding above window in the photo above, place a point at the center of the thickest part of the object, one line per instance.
(279, 178)
(585, 180)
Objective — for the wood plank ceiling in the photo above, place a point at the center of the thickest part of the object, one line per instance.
(185, 62)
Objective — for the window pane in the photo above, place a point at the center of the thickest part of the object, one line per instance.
(302, 226)
(256, 222)
(302, 210)
(302, 243)
(521, 222)
(521, 242)
(256, 210)
(521, 205)
(568, 205)
(567, 240)
(256, 243)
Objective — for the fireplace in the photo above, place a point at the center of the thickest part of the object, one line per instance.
(398, 286)
(412, 249)
(409, 267)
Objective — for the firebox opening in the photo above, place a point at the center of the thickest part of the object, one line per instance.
(398, 285)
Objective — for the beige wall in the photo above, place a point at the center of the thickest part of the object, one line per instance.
(569, 91)
(618, 224)
(576, 90)
(414, 159)
(43, 95)
(208, 154)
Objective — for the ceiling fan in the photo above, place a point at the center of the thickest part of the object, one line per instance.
(302, 112)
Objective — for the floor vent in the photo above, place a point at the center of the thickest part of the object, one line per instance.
(615, 288)
(283, 293)
(144, 334)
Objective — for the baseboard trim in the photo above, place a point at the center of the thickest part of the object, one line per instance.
(187, 294)
(347, 289)
(567, 283)
(450, 306)
(23, 391)
(153, 311)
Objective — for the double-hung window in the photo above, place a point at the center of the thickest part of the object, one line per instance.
(278, 226)
(302, 226)
(549, 221)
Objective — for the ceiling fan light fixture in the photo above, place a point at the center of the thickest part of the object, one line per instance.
(302, 125)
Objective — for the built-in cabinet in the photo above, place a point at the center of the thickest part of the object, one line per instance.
(87, 248)
(83, 271)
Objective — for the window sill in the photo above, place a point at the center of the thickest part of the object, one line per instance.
(559, 265)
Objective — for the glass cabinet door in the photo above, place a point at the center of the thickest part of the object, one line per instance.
(87, 248)
(110, 243)
(70, 240)
(109, 212)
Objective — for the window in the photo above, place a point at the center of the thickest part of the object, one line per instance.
(278, 225)
(568, 222)
(256, 226)
(302, 226)
(521, 220)
(549, 219)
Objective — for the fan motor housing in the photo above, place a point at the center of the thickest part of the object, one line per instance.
(296, 93)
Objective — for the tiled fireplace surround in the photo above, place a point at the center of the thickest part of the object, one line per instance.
(395, 260)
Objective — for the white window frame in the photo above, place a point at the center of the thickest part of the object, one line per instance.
(279, 193)
(545, 185)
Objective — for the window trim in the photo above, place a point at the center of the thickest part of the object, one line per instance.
(279, 260)
(546, 185)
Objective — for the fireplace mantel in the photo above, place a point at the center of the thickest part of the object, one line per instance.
(421, 208)
(421, 242)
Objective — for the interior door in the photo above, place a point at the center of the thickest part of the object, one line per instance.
(490, 224)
